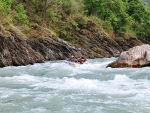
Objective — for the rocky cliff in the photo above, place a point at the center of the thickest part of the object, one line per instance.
(16, 50)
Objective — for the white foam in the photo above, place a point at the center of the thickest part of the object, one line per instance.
(120, 85)
(122, 78)
(90, 84)
(72, 83)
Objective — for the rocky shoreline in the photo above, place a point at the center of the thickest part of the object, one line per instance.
(16, 50)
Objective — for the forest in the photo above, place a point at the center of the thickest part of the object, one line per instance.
(119, 17)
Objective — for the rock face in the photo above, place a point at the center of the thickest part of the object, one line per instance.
(138, 56)
(95, 43)
(17, 51)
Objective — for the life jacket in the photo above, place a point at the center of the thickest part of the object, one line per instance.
(85, 60)
(72, 59)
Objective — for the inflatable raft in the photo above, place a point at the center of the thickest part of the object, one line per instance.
(74, 64)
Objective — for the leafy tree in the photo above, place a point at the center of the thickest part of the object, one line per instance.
(5, 7)
(20, 15)
(122, 15)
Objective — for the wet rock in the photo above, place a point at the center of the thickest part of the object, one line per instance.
(138, 56)
(17, 51)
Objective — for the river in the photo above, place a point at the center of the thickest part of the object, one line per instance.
(55, 87)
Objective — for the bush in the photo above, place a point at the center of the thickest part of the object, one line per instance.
(20, 15)
(52, 15)
(5, 7)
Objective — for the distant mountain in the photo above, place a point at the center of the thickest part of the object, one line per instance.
(146, 2)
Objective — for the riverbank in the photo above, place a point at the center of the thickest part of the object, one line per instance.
(16, 50)
(36, 31)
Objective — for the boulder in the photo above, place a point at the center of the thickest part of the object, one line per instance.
(138, 56)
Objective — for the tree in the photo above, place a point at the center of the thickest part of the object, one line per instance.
(5, 7)
(122, 15)
(20, 15)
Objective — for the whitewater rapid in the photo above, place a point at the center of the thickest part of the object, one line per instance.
(55, 87)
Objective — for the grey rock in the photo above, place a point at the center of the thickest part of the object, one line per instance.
(138, 56)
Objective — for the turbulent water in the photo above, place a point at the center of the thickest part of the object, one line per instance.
(56, 87)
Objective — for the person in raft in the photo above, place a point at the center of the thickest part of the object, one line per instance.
(71, 59)
(80, 60)
(84, 60)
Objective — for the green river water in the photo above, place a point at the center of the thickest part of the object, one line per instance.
(56, 87)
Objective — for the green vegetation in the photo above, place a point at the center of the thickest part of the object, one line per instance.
(20, 15)
(121, 16)
(5, 7)
(67, 17)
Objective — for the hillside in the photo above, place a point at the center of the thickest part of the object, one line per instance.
(48, 29)
(31, 17)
